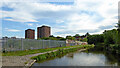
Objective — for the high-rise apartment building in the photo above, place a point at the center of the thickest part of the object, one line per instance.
(43, 31)
(30, 34)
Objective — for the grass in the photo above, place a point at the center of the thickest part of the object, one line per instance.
(60, 52)
(26, 62)
(27, 52)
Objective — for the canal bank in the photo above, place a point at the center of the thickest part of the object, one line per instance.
(84, 58)
(10, 59)
(57, 53)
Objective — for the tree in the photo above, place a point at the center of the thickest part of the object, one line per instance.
(87, 34)
(51, 36)
(62, 39)
(84, 40)
(111, 37)
(45, 38)
(77, 35)
(70, 37)
(94, 39)
(118, 26)
(118, 38)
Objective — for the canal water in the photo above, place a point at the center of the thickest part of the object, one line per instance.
(82, 59)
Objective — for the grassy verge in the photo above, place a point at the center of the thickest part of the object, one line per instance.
(60, 52)
(27, 52)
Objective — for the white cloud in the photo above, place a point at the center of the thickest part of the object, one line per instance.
(19, 16)
(29, 24)
(83, 21)
(12, 30)
(82, 15)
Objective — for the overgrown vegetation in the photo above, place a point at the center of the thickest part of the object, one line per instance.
(60, 52)
(94, 39)
(52, 38)
(110, 39)
(27, 52)
(76, 37)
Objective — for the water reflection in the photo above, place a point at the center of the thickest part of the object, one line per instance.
(112, 59)
(82, 59)
(71, 55)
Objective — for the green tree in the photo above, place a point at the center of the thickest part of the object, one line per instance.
(118, 34)
(118, 26)
(77, 35)
(94, 39)
(62, 39)
(51, 36)
(87, 34)
(70, 37)
(111, 37)
(84, 40)
(45, 38)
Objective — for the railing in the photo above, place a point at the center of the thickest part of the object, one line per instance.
(26, 44)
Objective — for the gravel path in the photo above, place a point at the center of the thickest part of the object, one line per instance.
(19, 60)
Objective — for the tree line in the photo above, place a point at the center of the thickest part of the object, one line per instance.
(110, 39)
(75, 37)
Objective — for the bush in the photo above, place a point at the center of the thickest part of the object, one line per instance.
(94, 39)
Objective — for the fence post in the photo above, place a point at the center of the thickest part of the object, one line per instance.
(43, 44)
(6, 44)
(21, 43)
(49, 44)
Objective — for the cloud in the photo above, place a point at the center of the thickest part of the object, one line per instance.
(29, 24)
(82, 16)
(18, 16)
(12, 30)
(59, 21)
(98, 60)
(37, 0)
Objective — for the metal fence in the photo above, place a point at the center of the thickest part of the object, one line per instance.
(26, 44)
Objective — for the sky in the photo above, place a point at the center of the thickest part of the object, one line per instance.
(65, 17)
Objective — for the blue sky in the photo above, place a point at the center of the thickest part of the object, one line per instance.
(65, 18)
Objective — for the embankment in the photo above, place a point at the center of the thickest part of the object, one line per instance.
(59, 52)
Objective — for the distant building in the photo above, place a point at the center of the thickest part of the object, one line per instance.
(30, 34)
(70, 42)
(13, 37)
(43, 31)
(78, 38)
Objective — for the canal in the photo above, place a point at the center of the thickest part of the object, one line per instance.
(86, 58)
